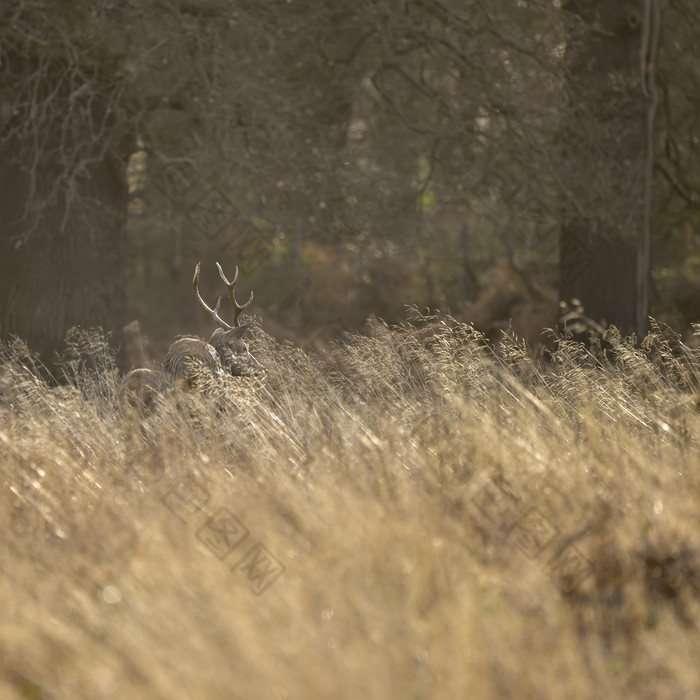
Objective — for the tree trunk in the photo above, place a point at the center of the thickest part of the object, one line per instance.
(604, 163)
(62, 226)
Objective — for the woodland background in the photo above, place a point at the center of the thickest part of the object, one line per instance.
(487, 159)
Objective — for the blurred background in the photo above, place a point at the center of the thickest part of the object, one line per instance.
(485, 159)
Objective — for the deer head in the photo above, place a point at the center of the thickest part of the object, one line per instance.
(228, 340)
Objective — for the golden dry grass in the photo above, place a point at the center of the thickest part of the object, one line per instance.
(443, 521)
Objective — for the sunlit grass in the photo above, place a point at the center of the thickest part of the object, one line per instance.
(408, 514)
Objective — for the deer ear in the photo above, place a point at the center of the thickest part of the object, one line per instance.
(238, 331)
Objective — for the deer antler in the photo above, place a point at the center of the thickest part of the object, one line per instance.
(214, 313)
(232, 295)
(231, 286)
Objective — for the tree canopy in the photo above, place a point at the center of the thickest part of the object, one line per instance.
(370, 156)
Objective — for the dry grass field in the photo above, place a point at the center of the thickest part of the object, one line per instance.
(405, 515)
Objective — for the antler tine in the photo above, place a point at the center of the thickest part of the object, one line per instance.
(214, 313)
(224, 278)
(232, 294)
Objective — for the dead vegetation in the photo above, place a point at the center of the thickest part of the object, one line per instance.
(399, 515)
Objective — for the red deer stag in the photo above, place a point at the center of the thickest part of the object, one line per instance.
(192, 363)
